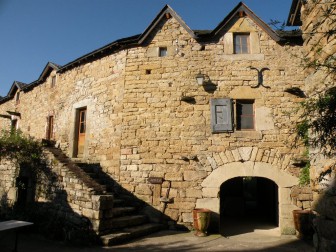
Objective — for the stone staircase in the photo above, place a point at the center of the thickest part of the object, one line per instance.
(120, 219)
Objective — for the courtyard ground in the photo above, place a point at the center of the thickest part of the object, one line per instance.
(168, 241)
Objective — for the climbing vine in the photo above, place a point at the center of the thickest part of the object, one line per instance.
(318, 125)
(20, 149)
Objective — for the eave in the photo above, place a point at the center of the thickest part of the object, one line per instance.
(294, 16)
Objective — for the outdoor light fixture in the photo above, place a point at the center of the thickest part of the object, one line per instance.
(200, 78)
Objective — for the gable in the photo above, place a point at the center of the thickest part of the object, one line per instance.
(165, 14)
(47, 70)
(241, 11)
(15, 87)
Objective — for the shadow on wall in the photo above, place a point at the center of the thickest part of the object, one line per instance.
(43, 201)
(325, 220)
(54, 217)
(130, 200)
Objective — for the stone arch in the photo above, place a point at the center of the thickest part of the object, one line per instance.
(252, 169)
(284, 181)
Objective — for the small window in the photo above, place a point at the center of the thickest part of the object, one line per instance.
(241, 43)
(162, 51)
(82, 121)
(17, 99)
(245, 114)
(53, 81)
(14, 124)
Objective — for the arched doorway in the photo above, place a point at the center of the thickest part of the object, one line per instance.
(248, 204)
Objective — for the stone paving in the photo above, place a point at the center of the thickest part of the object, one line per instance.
(170, 241)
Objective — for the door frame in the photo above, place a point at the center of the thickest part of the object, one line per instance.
(78, 129)
(73, 136)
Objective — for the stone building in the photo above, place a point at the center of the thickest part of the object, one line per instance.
(134, 106)
(318, 24)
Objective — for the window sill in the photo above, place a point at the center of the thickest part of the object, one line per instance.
(252, 134)
(243, 57)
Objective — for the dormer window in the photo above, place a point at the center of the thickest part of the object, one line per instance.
(17, 98)
(241, 43)
(53, 81)
(162, 51)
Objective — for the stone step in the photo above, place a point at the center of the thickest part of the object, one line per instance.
(127, 234)
(128, 221)
(122, 211)
(119, 203)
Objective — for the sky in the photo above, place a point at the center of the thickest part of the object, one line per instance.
(34, 32)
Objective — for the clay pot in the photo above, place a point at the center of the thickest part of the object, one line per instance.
(303, 221)
(201, 218)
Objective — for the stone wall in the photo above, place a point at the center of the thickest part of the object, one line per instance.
(8, 190)
(319, 24)
(96, 85)
(160, 130)
(138, 125)
(60, 193)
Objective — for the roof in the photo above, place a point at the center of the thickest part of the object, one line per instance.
(107, 49)
(17, 85)
(166, 13)
(47, 69)
(294, 16)
(292, 36)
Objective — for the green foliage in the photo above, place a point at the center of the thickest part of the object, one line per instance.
(319, 122)
(304, 178)
(302, 131)
(20, 148)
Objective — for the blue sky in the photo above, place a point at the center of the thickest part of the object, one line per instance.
(37, 31)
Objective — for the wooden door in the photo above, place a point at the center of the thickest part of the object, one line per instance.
(81, 131)
(50, 129)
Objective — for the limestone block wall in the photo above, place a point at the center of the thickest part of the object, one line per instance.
(8, 190)
(5, 123)
(60, 193)
(70, 197)
(96, 85)
(318, 22)
(172, 139)
(139, 126)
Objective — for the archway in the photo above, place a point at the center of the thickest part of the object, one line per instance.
(248, 204)
(284, 182)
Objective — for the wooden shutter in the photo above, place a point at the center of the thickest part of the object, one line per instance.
(221, 115)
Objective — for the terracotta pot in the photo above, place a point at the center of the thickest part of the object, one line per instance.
(303, 221)
(201, 218)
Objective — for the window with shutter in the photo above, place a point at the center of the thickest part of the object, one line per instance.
(221, 115)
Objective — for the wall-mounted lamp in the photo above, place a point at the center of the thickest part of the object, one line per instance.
(200, 78)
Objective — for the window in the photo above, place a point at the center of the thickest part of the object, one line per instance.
(17, 99)
(222, 115)
(241, 43)
(245, 114)
(162, 51)
(14, 125)
(82, 121)
(53, 81)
